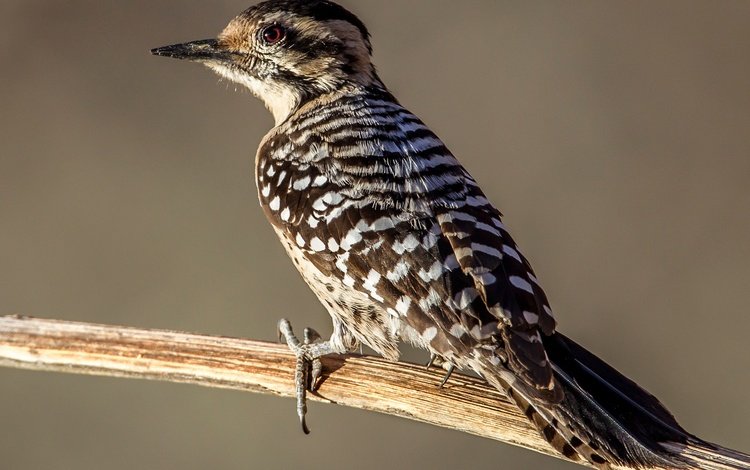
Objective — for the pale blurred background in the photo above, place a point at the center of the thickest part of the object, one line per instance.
(615, 136)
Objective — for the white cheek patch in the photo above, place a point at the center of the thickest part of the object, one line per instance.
(280, 100)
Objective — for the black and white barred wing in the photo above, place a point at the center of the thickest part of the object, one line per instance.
(488, 286)
(387, 213)
(503, 280)
(452, 277)
(458, 277)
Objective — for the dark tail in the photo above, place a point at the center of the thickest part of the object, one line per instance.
(621, 422)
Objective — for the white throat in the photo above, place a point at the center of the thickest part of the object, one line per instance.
(281, 101)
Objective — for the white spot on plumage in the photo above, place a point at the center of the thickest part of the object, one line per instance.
(487, 279)
(476, 332)
(300, 241)
(399, 271)
(458, 330)
(320, 181)
(433, 299)
(373, 277)
(522, 284)
(319, 205)
(371, 282)
(429, 334)
(353, 237)
(510, 251)
(271, 170)
(410, 243)
(531, 317)
(333, 245)
(499, 224)
(282, 177)
(362, 226)
(488, 228)
(429, 241)
(403, 304)
(313, 222)
(456, 215)
(434, 273)
(348, 281)
(464, 298)
(332, 198)
(334, 213)
(486, 250)
(301, 184)
(376, 246)
(285, 214)
(383, 223)
(266, 191)
(451, 263)
(341, 262)
(275, 204)
(317, 244)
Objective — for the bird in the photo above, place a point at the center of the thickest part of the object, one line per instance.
(401, 245)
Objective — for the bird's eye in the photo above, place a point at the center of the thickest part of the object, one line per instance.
(273, 34)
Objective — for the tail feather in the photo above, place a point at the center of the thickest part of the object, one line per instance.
(608, 420)
(701, 454)
(626, 421)
(575, 444)
(637, 410)
(548, 427)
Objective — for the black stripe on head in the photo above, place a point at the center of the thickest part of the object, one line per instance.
(319, 10)
(314, 47)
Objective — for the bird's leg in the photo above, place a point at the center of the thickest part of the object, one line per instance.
(309, 367)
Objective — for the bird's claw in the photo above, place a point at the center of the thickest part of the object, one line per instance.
(309, 367)
(440, 362)
(448, 374)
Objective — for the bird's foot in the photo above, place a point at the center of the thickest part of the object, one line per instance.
(309, 368)
(438, 361)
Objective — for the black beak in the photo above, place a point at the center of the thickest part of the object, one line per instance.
(198, 51)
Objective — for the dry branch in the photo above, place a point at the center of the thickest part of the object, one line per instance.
(465, 404)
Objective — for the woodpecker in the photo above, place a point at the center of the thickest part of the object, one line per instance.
(400, 244)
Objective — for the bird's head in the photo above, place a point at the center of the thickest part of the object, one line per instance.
(287, 52)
